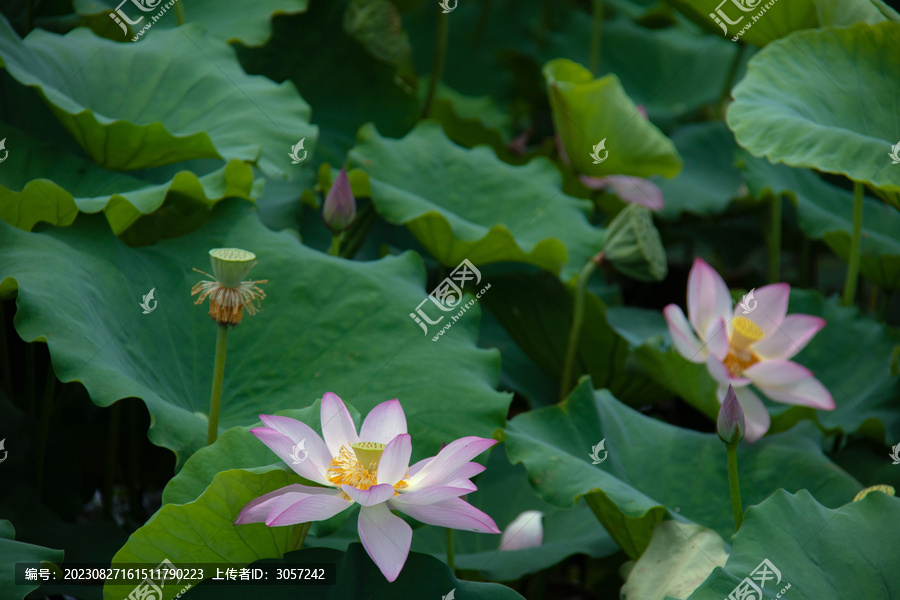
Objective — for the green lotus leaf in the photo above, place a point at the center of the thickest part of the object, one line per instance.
(135, 106)
(710, 180)
(12, 552)
(556, 444)
(819, 551)
(793, 106)
(504, 493)
(735, 19)
(678, 559)
(305, 48)
(825, 212)
(440, 192)
(226, 20)
(860, 383)
(588, 112)
(343, 327)
(43, 183)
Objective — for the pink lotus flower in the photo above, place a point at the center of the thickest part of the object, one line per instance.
(741, 347)
(370, 468)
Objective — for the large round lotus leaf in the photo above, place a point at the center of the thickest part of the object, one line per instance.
(140, 105)
(824, 99)
(818, 551)
(689, 477)
(587, 111)
(227, 20)
(825, 212)
(44, 183)
(326, 325)
(468, 204)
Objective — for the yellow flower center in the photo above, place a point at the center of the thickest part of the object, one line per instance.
(357, 465)
(740, 356)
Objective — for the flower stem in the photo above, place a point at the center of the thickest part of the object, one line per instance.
(335, 249)
(853, 266)
(775, 240)
(572, 349)
(112, 452)
(437, 69)
(215, 398)
(450, 548)
(297, 536)
(595, 36)
(734, 486)
(179, 12)
(46, 413)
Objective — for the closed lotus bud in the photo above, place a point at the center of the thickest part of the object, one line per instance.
(633, 245)
(339, 210)
(730, 424)
(526, 531)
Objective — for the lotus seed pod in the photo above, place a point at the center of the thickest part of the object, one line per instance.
(231, 265)
(633, 245)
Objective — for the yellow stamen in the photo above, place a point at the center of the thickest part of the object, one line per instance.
(746, 332)
(347, 467)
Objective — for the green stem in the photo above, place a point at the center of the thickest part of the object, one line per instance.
(482, 20)
(734, 487)
(437, 69)
(112, 449)
(46, 412)
(806, 262)
(775, 240)
(853, 266)
(298, 536)
(595, 36)
(335, 249)
(179, 12)
(732, 73)
(4, 355)
(572, 348)
(215, 398)
(450, 548)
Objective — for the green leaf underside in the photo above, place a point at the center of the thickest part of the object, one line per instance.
(822, 99)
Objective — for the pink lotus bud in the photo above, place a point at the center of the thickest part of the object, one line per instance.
(730, 424)
(339, 211)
